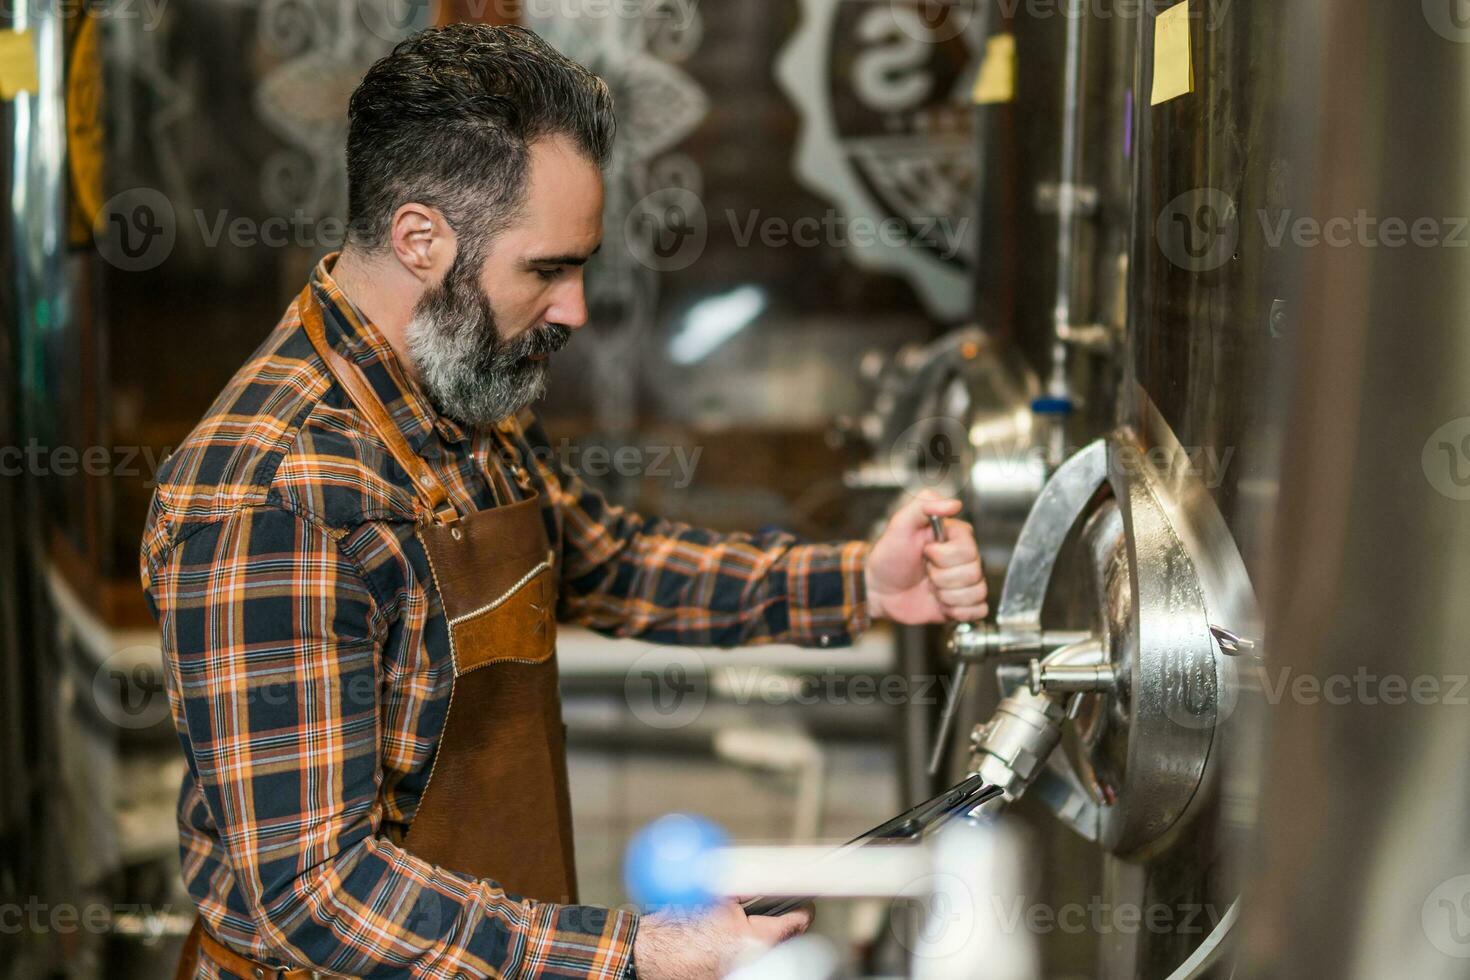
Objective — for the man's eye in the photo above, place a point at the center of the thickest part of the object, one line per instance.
(547, 275)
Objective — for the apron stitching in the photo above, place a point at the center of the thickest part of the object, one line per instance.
(453, 675)
(434, 574)
(508, 660)
(505, 597)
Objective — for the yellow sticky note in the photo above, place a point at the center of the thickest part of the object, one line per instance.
(17, 64)
(996, 81)
(1173, 61)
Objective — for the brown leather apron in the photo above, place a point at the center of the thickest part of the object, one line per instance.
(496, 805)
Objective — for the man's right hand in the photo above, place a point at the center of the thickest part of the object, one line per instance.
(706, 946)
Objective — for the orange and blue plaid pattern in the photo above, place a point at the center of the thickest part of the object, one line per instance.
(308, 665)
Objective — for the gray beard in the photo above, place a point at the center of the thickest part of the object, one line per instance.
(470, 373)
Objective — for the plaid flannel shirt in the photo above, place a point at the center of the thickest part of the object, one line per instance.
(308, 666)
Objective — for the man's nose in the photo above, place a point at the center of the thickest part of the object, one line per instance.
(570, 306)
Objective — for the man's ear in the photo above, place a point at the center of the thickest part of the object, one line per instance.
(422, 241)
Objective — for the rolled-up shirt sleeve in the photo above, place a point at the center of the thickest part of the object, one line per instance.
(659, 580)
(271, 638)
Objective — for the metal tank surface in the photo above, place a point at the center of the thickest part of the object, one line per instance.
(1364, 853)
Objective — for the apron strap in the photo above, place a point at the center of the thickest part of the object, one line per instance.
(428, 486)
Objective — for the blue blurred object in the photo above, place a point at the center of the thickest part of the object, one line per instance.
(1052, 406)
(667, 862)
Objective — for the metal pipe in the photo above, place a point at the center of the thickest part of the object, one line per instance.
(1067, 205)
(979, 642)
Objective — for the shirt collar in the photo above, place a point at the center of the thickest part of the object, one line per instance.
(353, 334)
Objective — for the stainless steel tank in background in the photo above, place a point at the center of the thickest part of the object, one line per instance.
(33, 855)
(1363, 868)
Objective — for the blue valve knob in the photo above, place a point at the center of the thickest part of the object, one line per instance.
(668, 862)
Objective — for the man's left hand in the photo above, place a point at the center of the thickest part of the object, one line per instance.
(912, 578)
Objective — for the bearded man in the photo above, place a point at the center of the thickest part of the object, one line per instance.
(358, 559)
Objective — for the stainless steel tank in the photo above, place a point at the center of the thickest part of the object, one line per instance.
(1363, 868)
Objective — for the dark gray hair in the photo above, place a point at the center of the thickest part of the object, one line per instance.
(446, 120)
